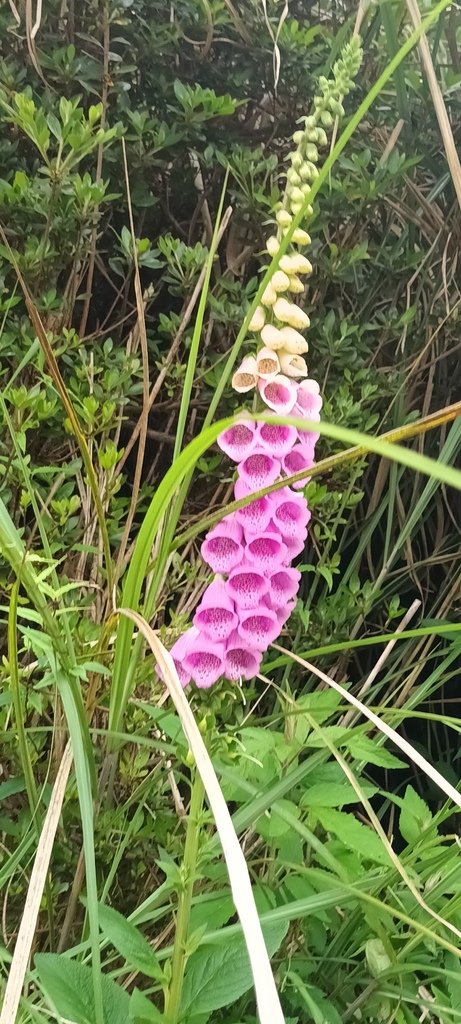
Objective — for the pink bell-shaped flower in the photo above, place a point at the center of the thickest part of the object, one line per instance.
(279, 394)
(242, 660)
(246, 586)
(258, 627)
(215, 615)
(222, 548)
(283, 586)
(205, 661)
(290, 513)
(238, 440)
(255, 516)
(295, 545)
(266, 551)
(178, 653)
(259, 470)
(283, 614)
(298, 459)
(276, 438)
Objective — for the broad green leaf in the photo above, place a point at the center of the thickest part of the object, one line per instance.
(355, 836)
(129, 942)
(326, 794)
(68, 986)
(218, 975)
(365, 749)
(415, 816)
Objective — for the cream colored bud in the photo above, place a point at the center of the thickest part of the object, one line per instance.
(269, 296)
(296, 195)
(300, 264)
(296, 286)
(293, 177)
(270, 335)
(296, 160)
(298, 137)
(293, 342)
(292, 366)
(258, 319)
(290, 314)
(296, 208)
(301, 237)
(283, 218)
(267, 363)
(245, 377)
(272, 245)
(280, 281)
(286, 264)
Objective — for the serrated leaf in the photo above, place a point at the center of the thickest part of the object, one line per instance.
(326, 794)
(415, 816)
(355, 836)
(365, 749)
(218, 975)
(69, 987)
(129, 942)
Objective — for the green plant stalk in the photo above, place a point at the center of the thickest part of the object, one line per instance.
(324, 172)
(189, 868)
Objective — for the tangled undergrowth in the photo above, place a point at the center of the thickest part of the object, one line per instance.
(157, 232)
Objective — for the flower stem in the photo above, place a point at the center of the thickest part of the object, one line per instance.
(189, 868)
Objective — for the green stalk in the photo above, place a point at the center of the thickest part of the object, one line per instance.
(189, 870)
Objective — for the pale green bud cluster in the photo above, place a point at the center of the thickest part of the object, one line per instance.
(278, 320)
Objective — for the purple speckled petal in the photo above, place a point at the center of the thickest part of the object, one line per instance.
(239, 440)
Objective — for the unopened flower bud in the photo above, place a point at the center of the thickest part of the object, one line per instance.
(292, 366)
(293, 176)
(309, 121)
(326, 119)
(296, 195)
(270, 335)
(298, 137)
(269, 296)
(258, 319)
(322, 138)
(283, 218)
(301, 237)
(293, 341)
(290, 314)
(312, 152)
(300, 264)
(280, 280)
(296, 160)
(272, 245)
(296, 286)
(296, 208)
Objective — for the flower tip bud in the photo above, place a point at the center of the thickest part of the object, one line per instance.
(272, 245)
(258, 319)
(283, 218)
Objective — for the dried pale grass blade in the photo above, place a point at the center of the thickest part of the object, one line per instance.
(383, 727)
(268, 1003)
(34, 894)
(437, 99)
